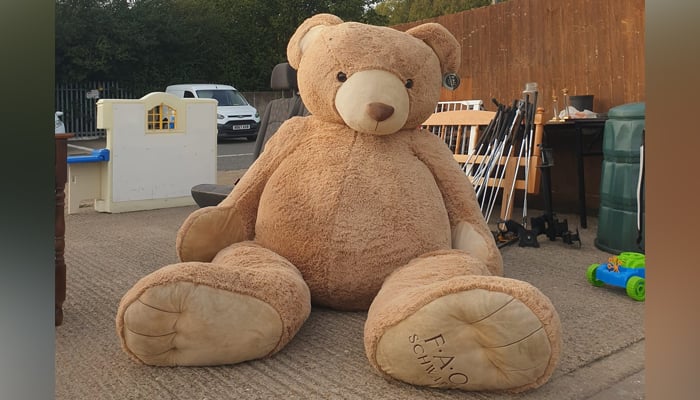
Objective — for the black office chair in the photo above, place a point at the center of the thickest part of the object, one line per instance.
(283, 77)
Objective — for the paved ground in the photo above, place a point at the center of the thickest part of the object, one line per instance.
(631, 388)
(603, 360)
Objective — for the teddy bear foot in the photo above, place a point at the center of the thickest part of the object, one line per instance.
(465, 332)
(183, 323)
(208, 314)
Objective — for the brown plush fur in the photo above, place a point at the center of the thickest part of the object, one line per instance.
(351, 47)
(355, 234)
(353, 208)
(264, 275)
(444, 272)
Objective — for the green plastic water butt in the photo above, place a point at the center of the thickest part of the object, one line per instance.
(617, 218)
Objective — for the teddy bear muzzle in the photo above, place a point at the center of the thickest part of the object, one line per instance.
(374, 102)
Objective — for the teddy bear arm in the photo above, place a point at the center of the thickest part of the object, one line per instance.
(469, 230)
(208, 230)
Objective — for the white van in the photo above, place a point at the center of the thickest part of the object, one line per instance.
(235, 118)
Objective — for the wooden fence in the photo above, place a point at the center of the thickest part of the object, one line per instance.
(587, 46)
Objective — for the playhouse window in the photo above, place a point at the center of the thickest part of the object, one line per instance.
(162, 118)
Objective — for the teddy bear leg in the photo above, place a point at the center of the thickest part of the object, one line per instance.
(444, 321)
(246, 304)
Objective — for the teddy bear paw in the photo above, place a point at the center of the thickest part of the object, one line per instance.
(182, 323)
(475, 339)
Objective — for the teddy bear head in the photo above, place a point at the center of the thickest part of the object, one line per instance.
(376, 80)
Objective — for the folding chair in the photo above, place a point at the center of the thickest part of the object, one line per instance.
(460, 131)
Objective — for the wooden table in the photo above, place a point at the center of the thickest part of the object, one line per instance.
(60, 224)
(594, 127)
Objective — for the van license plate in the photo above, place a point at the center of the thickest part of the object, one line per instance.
(238, 127)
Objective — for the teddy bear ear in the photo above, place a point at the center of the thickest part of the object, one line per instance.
(443, 44)
(306, 33)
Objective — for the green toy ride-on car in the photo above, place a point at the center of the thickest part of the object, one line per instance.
(626, 270)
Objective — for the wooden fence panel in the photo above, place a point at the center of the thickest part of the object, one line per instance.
(587, 46)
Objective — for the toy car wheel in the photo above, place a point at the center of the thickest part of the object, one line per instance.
(590, 274)
(635, 288)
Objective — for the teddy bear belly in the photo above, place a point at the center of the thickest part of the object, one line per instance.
(347, 235)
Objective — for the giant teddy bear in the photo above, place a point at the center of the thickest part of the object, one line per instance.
(354, 208)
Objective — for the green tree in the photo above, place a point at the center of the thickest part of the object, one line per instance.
(87, 46)
(151, 43)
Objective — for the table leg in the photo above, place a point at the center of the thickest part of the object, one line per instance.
(60, 225)
(60, 289)
(581, 179)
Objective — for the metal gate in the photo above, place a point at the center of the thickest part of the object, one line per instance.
(78, 102)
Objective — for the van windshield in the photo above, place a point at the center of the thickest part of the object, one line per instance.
(225, 97)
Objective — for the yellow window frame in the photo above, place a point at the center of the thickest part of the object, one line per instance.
(162, 119)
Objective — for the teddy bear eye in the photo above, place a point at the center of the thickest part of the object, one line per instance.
(409, 83)
(342, 77)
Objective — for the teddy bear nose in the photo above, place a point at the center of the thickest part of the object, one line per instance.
(379, 111)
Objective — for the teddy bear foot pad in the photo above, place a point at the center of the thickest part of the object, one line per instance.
(471, 340)
(183, 323)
